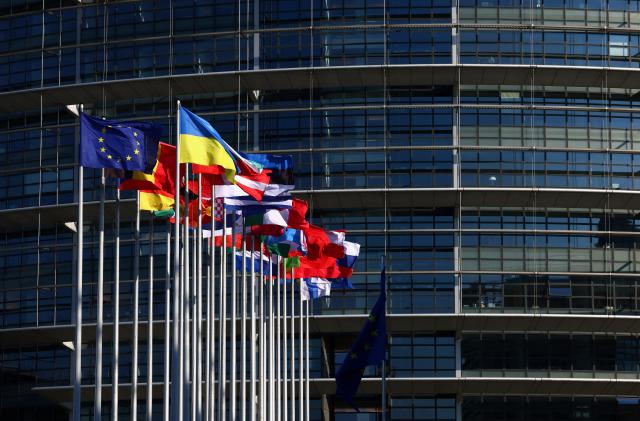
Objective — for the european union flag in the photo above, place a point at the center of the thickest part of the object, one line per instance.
(368, 349)
(122, 145)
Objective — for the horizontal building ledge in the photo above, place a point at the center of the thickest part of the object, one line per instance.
(398, 324)
(417, 386)
(339, 77)
(409, 197)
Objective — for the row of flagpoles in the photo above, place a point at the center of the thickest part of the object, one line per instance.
(240, 254)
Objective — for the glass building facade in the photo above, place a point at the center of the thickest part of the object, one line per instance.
(487, 147)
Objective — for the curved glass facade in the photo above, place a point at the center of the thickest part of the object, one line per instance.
(490, 148)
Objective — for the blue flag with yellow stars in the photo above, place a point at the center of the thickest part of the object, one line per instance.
(121, 145)
(368, 349)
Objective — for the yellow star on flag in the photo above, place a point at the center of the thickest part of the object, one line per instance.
(101, 140)
(109, 156)
(103, 149)
(128, 157)
(104, 130)
(136, 151)
(135, 134)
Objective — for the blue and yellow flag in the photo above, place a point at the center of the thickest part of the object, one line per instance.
(121, 145)
(201, 144)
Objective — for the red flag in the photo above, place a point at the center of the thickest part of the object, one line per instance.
(321, 243)
(252, 182)
(163, 178)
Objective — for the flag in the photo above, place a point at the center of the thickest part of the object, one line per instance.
(314, 288)
(290, 241)
(248, 204)
(369, 348)
(249, 184)
(321, 243)
(339, 273)
(274, 221)
(256, 262)
(280, 169)
(162, 177)
(202, 145)
(120, 145)
(155, 201)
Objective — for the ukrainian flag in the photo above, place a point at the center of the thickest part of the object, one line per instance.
(201, 144)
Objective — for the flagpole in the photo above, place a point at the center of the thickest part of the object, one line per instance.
(278, 340)
(234, 300)
(194, 318)
(187, 300)
(116, 313)
(193, 343)
(262, 400)
(384, 360)
(243, 327)
(77, 369)
(150, 324)
(176, 377)
(97, 403)
(222, 385)
(285, 356)
(182, 355)
(136, 298)
(272, 375)
(167, 327)
(307, 377)
(293, 347)
(207, 352)
(212, 312)
(199, 304)
(301, 353)
(252, 344)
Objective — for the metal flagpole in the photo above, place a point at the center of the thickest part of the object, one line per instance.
(234, 300)
(115, 376)
(193, 255)
(207, 332)
(77, 368)
(261, 354)
(222, 385)
(272, 375)
(300, 353)
(243, 328)
(167, 328)
(285, 356)
(182, 355)
(309, 303)
(252, 335)
(187, 300)
(278, 339)
(176, 388)
(293, 347)
(136, 299)
(198, 378)
(384, 360)
(150, 324)
(194, 328)
(97, 403)
(212, 313)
